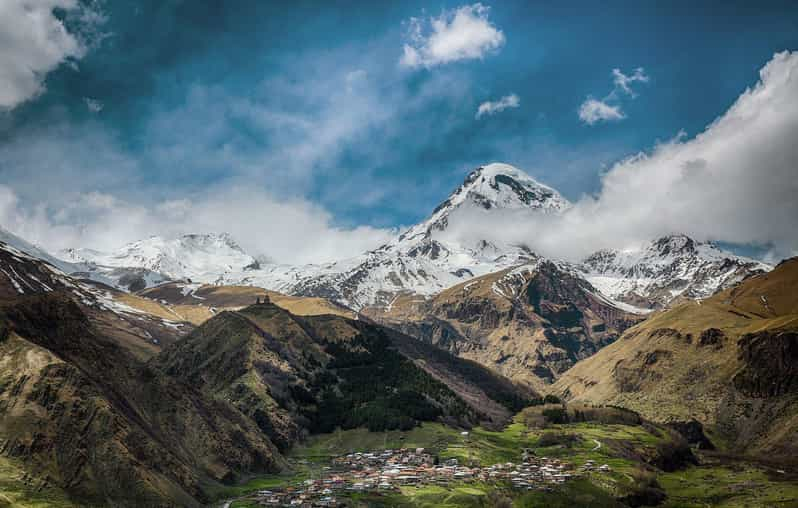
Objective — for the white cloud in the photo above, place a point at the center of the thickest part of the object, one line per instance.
(592, 111)
(33, 42)
(493, 107)
(622, 81)
(735, 182)
(609, 109)
(463, 33)
(261, 223)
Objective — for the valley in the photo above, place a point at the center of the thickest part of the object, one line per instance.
(493, 467)
(398, 255)
(428, 372)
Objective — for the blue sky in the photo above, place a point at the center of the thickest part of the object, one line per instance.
(309, 102)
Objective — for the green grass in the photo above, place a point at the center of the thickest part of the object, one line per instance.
(19, 494)
(471, 495)
(244, 503)
(490, 447)
(714, 484)
(321, 447)
(576, 493)
(261, 483)
(734, 485)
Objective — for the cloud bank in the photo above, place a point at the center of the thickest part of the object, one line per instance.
(290, 231)
(493, 107)
(464, 33)
(34, 42)
(736, 182)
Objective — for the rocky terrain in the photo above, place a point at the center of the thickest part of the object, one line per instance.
(530, 323)
(727, 362)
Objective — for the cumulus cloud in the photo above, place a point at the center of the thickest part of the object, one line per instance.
(261, 223)
(34, 42)
(735, 182)
(463, 33)
(608, 109)
(592, 111)
(493, 107)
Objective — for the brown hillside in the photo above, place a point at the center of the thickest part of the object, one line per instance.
(202, 303)
(81, 411)
(84, 413)
(728, 361)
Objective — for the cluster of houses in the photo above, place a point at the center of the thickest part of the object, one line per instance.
(591, 465)
(386, 471)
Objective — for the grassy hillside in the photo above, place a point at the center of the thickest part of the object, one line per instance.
(80, 412)
(728, 361)
(293, 375)
(198, 303)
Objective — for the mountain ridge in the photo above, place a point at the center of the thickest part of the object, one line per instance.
(424, 260)
(663, 270)
(529, 323)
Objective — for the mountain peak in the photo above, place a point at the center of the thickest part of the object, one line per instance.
(499, 185)
(495, 186)
(215, 240)
(205, 256)
(500, 168)
(674, 243)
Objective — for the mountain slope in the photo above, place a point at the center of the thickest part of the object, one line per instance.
(530, 323)
(292, 375)
(80, 411)
(665, 270)
(141, 332)
(15, 242)
(727, 361)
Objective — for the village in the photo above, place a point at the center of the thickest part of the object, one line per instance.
(386, 471)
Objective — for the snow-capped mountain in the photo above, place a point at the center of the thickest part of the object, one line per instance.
(665, 269)
(426, 258)
(495, 186)
(420, 260)
(27, 270)
(205, 257)
(15, 242)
